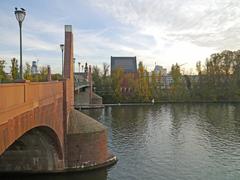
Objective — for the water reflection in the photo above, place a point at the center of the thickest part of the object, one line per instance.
(174, 141)
(90, 175)
(169, 141)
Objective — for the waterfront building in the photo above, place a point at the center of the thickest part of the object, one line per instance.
(127, 64)
(129, 67)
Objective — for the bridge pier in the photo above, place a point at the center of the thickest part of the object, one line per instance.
(86, 143)
(85, 138)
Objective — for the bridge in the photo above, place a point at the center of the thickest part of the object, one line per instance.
(81, 81)
(85, 98)
(41, 132)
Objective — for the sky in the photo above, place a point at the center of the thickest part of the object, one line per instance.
(155, 31)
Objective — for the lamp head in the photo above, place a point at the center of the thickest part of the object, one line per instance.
(62, 46)
(20, 14)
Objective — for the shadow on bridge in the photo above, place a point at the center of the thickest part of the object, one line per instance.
(38, 149)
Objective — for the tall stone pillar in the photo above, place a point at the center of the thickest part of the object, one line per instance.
(85, 140)
(68, 82)
(49, 75)
(68, 67)
(90, 83)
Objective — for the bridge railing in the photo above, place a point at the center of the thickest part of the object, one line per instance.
(16, 98)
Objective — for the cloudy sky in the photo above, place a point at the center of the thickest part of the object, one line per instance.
(161, 31)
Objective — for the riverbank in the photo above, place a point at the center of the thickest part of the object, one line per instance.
(88, 106)
(163, 102)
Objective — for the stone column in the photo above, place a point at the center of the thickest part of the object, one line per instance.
(68, 67)
(68, 82)
(49, 76)
(90, 84)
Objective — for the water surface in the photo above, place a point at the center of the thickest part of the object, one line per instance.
(169, 142)
(174, 141)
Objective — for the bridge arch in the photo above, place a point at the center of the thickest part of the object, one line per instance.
(38, 149)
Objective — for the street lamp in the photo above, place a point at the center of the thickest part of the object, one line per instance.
(20, 15)
(62, 48)
(74, 60)
(79, 67)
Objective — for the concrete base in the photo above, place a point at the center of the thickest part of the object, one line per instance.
(86, 143)
(109, 162)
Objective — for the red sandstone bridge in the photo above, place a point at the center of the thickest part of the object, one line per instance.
(41, 132)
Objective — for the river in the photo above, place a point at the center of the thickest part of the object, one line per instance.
(169, 142)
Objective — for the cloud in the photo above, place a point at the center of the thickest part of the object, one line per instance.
(200, 26)
(159, 31)
(41, 40)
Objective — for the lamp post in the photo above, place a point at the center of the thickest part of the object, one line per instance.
(74, 60)
(62, 47)
(20, 15)
(79, 67)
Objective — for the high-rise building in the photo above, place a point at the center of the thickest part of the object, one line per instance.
(159, 69)
(34, 69)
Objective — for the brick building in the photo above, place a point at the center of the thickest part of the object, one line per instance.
(129, 67)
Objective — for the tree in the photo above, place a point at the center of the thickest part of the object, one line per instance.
(116, 83)
(14, 69)
(143, 89)
(43, 73)
(140, 88)
(96, 78)
(27, 72)
(178, 88)
(154, 87)
(56, 77)
(2, 72)
(146, 87)
(105, 70)
(199, 68)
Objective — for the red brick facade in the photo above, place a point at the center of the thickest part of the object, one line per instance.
(32, 108)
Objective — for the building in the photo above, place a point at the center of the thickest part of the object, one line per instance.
(128, 64)
(166, 81)
(129, 67)
(34, 69)
(159, 69)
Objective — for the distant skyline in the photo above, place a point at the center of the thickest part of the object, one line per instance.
(161, 31)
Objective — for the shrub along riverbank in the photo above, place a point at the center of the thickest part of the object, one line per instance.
(216, 80)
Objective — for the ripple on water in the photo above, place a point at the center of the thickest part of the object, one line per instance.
(175, 141)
